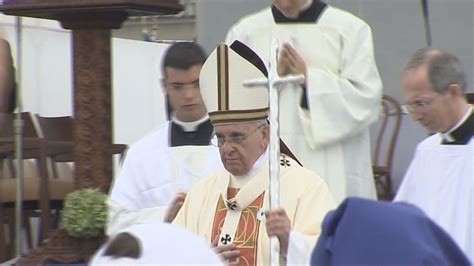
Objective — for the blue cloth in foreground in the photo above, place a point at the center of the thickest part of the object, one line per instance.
(367, 232)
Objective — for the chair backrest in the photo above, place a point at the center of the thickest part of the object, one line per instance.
(56, 128)
(389, 128)
(30, 130)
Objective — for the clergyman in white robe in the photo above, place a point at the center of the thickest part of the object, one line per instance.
(440, 181)
(343, 90)
(152, 174)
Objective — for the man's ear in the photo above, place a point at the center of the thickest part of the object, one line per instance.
(455, 90)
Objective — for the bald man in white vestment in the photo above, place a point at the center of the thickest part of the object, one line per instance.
(440, 179)
(230, 209)
(325, 121)
(174, 156)
(155, 244)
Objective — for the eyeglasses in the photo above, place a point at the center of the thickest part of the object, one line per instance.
(182, 86)
(219, 141)
(420, 105)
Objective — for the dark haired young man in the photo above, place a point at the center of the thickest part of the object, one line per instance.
(163, 165)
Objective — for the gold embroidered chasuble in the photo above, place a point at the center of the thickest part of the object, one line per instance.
(246, 235)
(207, 210)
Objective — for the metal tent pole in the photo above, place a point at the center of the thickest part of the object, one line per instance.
(18, 126)
(426, 19)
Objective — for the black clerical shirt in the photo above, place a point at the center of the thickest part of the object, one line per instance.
(463, 134)
(200, 137)
(311, 14)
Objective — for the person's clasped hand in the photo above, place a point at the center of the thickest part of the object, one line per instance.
(290, 62)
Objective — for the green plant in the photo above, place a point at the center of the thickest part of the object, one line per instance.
(85, 213)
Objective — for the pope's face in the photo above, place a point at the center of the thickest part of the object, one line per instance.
(250, 141)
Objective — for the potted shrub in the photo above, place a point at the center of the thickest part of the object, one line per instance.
(85, 213)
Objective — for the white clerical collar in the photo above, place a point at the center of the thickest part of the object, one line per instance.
(240, 181)
(189, 126)
(447, 136)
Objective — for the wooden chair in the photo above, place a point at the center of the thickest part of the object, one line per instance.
(389, 128)
(58, 132)
(40, 193)
(45, 139)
